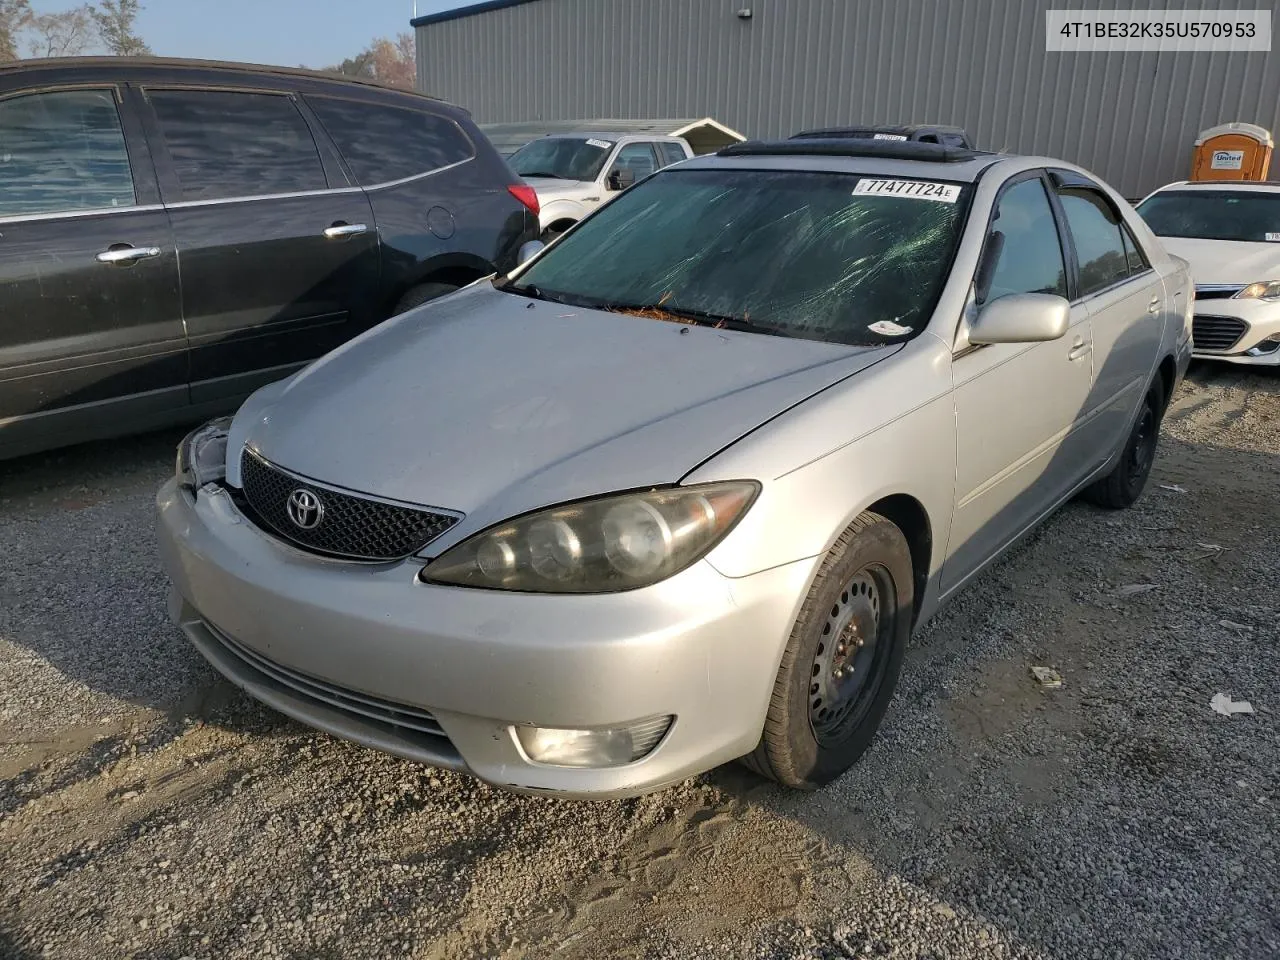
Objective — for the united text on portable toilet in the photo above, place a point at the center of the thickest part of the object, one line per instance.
(1232, 151)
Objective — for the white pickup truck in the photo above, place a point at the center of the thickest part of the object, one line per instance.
(573, 173)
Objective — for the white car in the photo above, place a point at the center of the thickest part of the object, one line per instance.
(1229, 231)
(573, 173)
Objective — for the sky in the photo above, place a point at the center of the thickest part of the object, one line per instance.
(313, 33)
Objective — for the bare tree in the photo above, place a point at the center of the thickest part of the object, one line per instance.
(66, 34)
(14, 16)
(115, 23)
(387, 61)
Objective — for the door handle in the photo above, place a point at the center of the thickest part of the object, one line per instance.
(340, 231)
(123, 254)
(1154, 305)
(1079, 350)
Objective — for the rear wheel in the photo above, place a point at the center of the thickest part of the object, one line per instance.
(1128, 478)
(417, 296)
(841, 664)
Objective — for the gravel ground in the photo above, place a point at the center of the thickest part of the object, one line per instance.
(147, 809)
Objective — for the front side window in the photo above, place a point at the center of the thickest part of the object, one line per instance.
(227, 144)
(62, 151)
(671, 152)
(822, 256)
(638, 158)
(1251, 216)
(383, 143)
(1096, 231)
(562, 158)
(1030, 259)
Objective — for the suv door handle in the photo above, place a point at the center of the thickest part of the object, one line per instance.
(120, 253)
(1080, 349)
(1154, 305)
(340, 231)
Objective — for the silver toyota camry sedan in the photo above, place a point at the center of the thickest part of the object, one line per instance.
(677, 490)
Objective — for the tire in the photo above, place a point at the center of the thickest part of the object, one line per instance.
(552, 234)
(1123, 486)
(867, 571)
(417, 296)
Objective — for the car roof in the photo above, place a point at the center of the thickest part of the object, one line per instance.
(115, 66)
(613, 135)
(877, 157)
(1252, 186)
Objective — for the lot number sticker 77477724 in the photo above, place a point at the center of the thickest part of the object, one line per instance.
(914, 189)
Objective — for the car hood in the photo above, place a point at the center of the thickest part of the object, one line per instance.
(1227, 261)
(547, 186)
(491, 402)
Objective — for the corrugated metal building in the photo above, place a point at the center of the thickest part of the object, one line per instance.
(790, 64)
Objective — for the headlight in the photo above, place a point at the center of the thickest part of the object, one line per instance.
(202, 455)
(613, 543)
(1265, 290)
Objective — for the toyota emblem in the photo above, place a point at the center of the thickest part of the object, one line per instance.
(304, 509)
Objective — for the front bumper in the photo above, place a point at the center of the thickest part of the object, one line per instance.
(343, 646)
(1254, 346)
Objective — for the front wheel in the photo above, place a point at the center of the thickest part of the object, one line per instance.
(1128, 478)
(841, 663)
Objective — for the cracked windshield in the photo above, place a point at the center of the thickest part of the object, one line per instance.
(797, 254)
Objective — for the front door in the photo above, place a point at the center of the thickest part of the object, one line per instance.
(1019, 405)
(279, 254)
(91, 334)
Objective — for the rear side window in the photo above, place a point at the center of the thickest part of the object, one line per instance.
(1031, 253)
(1099, 244)
(1137, 260)
(671, 152)
(382, 143)
(226, 144)
(62, 151)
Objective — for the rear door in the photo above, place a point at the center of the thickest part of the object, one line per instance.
(1125, 300)
(279, 255)
(91, 334)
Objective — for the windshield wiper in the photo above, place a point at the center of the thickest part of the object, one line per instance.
(543, 173)
(703, 318)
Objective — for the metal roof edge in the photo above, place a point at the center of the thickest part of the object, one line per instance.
(459, 13)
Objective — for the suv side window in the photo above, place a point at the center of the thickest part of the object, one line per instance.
(671, 152)
(637, 157)
(62, 151)
(383, 143)
(1099, 245)
(226, 144)
(1031, 257)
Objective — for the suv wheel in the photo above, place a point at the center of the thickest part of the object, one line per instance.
(417, 296)
(842, 661)
(1124, 484)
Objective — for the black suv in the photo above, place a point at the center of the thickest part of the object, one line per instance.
(174, 234)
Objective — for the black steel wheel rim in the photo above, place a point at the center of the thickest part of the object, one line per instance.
(852, 655)
(1142, 449)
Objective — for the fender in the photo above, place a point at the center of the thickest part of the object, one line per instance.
(560, 209)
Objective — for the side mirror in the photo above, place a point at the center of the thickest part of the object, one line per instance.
(620, 178)
(1021, 318)
(528, 250)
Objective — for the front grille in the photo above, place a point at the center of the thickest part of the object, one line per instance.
(348, 525)
(1216, 333)
(398, 715)
(1217, 291)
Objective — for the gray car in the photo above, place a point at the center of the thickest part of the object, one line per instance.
(677, 490)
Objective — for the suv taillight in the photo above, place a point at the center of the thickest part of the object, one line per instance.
(526, 195)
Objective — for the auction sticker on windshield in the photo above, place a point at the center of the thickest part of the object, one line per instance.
(915, 189)
(602, 144)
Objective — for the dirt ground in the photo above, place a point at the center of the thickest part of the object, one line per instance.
(148, 809)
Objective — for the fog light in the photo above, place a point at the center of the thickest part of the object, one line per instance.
(601, 747)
